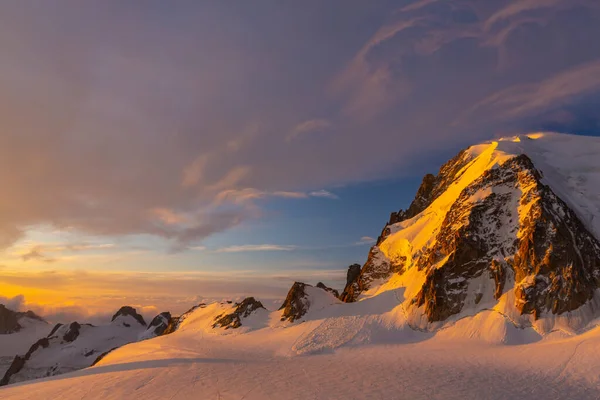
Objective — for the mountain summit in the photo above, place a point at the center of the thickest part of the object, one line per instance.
(13, 321)
(510, 225)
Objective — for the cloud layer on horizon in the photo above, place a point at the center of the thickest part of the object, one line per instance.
(178, 121)
(92, 296)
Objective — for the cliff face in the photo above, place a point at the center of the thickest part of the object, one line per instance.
(431, 187)
(553, 258)
(485, 225)
(11, 321)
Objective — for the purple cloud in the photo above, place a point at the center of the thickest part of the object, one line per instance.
(118, 119)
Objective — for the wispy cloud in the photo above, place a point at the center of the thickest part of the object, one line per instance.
(255, 247)
(241, 196)
(35, 253)
(520, 100)
(192, 173)
(168, 216)
(366, 240)
(325, 194)
(247, 195)
(50, 253)
(309, 126)
(289, 195)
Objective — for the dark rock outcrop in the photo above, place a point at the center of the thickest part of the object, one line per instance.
(334, 292)
(9, 322)
(242, 310)
(353, 273)
(424, 197)
(17, 365)
(9, 319)
(19, 362)
(127, 310)
(72, 333)
(554, 259)
(296, 303)
(101, 356)
(162, 324)
(53, 331)
(505, 225)
(351, 289)
(377, 267)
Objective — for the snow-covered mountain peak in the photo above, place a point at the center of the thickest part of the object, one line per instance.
(511, 218)
(14, 321)
(127, 316)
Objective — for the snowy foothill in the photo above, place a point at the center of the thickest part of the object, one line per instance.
(66, 347)
(19, 342)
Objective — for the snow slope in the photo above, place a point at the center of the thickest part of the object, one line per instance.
(19, 342)
(571, 167)
(198, 362)
(74, 346)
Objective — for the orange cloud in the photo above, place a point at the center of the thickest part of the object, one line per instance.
(95, 296)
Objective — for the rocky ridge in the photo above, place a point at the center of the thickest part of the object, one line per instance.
(234, 318)
(123, 315)
(506, 231)
(10, 320)
(162, 324)
(303, 297)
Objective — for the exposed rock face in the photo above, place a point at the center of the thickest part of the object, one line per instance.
(296, 303)
(242, 310)
(16, 365)
(129, 311)
(9, 319)
(19, 362)
(160, 325)
(53, 331)
(353, 273)
(72, 333)
(424, 197)
(351, 289)
(9, 322)
(377, 267)
(554, 259)
(101, 356)
(505, 227)
(334, 292)
(431, 187)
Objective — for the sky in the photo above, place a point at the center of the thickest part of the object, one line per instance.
(158, 153)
